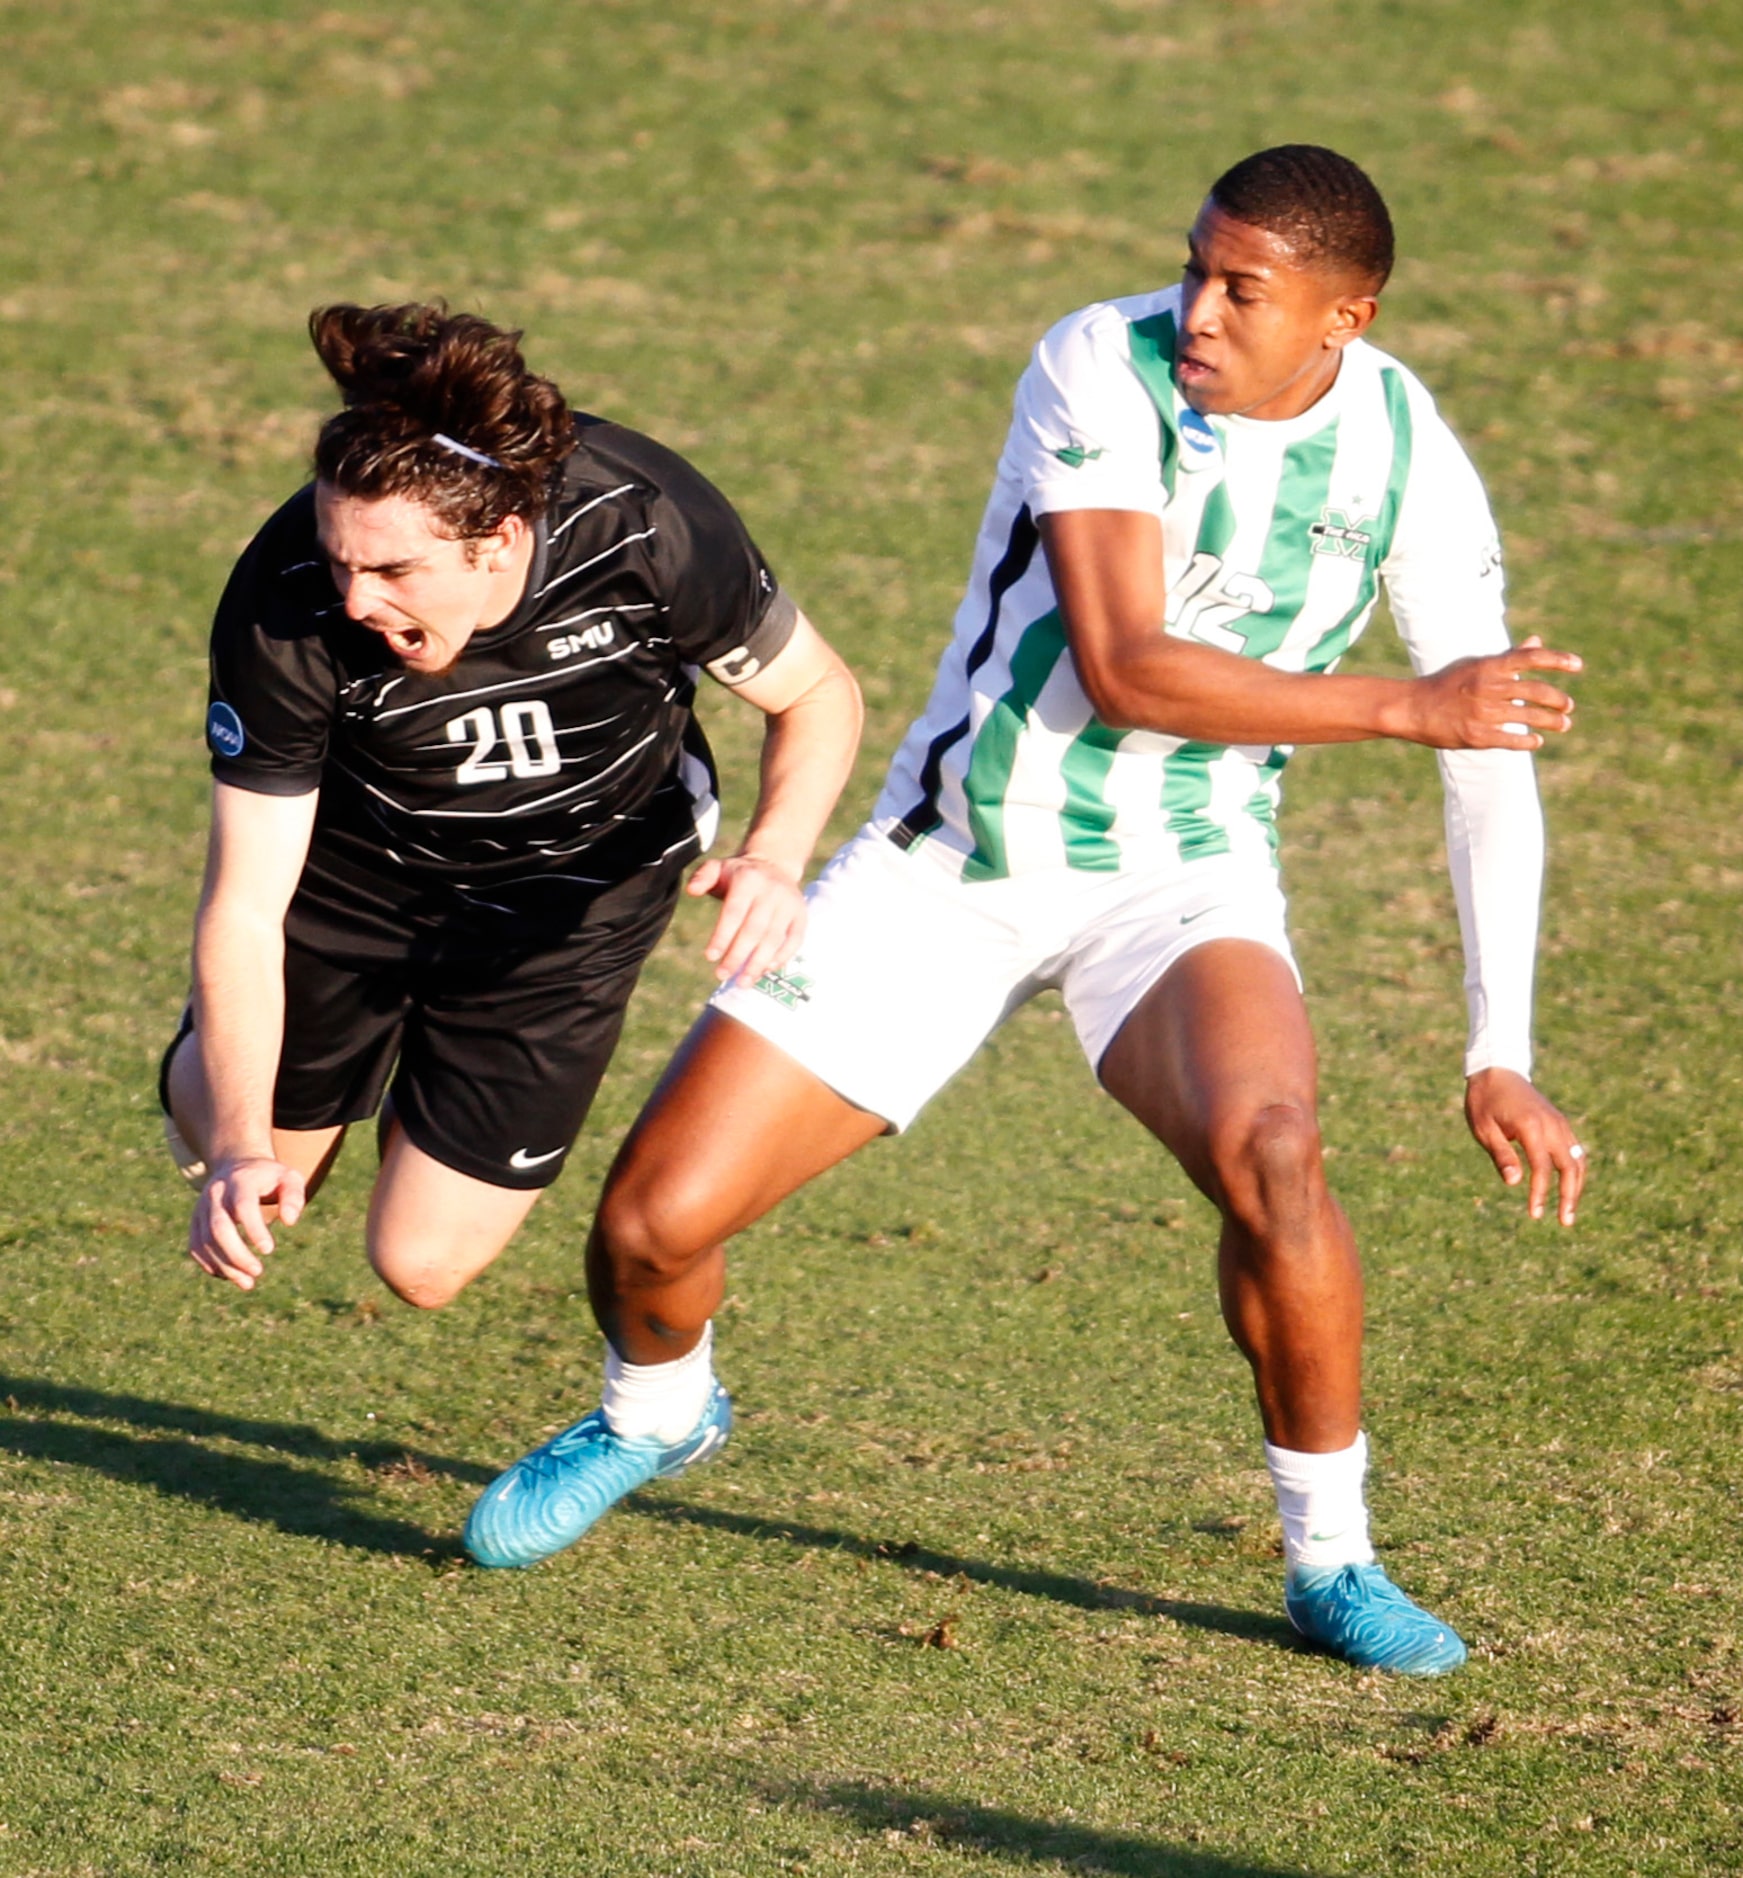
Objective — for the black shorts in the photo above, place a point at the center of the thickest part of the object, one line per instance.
(501, 1031)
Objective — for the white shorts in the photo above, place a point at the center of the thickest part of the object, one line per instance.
(906, 969)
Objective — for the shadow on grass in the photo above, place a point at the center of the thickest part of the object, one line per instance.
(173, 1456)
(1086, 1594)
(1020, 1838)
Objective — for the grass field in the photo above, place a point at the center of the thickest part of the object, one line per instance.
(989, 1580)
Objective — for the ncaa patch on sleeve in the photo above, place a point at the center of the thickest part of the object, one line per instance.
(224, 730)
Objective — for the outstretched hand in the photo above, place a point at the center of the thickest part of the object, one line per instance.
(762, 915)
(1512, 1119)
(229, 1235)
(1490, 703)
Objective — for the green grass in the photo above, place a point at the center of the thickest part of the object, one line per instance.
(988, 1582)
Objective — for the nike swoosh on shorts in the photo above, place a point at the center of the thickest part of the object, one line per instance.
(521, 1160)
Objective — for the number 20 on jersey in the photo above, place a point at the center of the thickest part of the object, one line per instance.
(522, 733)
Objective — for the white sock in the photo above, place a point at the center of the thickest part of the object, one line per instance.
(1319, 1496)
(658, 1401)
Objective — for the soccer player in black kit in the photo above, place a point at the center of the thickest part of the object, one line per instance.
(457, 780)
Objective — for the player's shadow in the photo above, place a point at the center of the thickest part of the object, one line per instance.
(1018, 1838)
(175, 1453)
(1086, 1594)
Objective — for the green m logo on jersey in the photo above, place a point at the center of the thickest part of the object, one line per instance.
(1335, 534)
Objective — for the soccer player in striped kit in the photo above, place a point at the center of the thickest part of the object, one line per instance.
(1202, 493)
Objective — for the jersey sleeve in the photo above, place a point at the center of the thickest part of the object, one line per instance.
(1443, 580)
(1494, 847)
(273, 691)
(1443, 568)
(724, 609)
(1084, 432)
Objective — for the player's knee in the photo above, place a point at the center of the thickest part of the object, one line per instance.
(1268, 1167)
(414, 1281)
(651, 1232)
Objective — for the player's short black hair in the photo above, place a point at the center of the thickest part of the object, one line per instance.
(1323, 205)
(439, 407)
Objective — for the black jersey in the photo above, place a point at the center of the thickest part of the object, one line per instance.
(560, 747)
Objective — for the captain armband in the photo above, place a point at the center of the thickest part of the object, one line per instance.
(736, 668)
(767, 640)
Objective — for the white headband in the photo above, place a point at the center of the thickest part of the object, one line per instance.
(465, 450)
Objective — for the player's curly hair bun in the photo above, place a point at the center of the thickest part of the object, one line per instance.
(439, 407)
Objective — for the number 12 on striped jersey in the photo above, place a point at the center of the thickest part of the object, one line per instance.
(1203, 604)
(525, 732)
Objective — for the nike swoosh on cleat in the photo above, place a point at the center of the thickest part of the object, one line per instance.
(522, 1160)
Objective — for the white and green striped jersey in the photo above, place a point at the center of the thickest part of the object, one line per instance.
(1276, 538)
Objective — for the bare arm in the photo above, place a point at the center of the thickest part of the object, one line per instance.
(813, 713)
(1107, 571)
(254, 859)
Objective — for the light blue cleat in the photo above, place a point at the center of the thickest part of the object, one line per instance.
(1358, 1613)
(549, 1498)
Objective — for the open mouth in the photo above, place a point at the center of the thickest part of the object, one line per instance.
(407, 642)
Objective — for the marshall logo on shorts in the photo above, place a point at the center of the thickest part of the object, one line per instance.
(788, 988)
